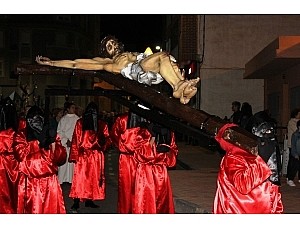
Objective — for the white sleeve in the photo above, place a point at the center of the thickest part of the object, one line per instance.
(61, 132)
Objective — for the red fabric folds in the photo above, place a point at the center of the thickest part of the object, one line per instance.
(8, 173)
(87, 153)
(242, 184)
(127, 166)
(143, 174)
(39, 191)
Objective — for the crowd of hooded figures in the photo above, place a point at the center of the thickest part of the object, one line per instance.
(38, 154)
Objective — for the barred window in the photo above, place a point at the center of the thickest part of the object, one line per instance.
(25, 47)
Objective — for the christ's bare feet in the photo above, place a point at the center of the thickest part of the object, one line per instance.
(185, 90)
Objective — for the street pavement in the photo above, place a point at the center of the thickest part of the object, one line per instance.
(193, 183)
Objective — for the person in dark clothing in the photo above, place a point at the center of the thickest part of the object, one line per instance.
(236, 116)
(246, 111)
(268, 148)
(294, 162)
(57, 114)
(264, 117)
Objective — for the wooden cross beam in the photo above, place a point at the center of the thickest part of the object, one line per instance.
(196, 118)
(121, 97)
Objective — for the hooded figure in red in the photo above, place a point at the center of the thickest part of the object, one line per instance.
(147, 150)
(89, 142)
(248, 183)
(8, 163)
(39, 152)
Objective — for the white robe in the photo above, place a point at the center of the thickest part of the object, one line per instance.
(65, 130)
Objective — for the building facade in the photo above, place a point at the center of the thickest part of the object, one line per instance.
(222, 45)
(23, 37)
(278, 64)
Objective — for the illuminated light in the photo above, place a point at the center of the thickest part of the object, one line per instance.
(148, 51)
(157, 48)
(143, 107)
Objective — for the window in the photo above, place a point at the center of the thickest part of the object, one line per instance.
(25, 47)
(24, 37)
(60, 39)
(25, 51)
(1, 68)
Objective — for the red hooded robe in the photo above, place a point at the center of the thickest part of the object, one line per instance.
(39, 191)
(242, 185)
(145, 175)
(8, 173)
(87, 153)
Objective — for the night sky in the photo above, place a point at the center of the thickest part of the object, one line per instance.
(136, 32)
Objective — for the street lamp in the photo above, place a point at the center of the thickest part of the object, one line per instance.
(158, 48)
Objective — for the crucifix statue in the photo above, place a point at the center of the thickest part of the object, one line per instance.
(142, 67)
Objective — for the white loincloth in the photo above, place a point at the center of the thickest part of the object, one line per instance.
(135, 72)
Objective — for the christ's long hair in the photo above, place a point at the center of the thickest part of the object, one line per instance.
(102, 48)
